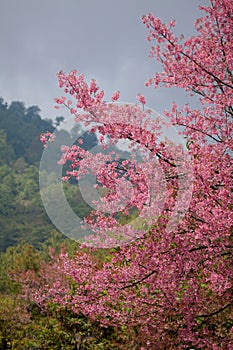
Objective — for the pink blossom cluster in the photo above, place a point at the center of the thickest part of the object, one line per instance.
(47, 137)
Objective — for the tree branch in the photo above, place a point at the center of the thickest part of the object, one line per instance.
(217, 311)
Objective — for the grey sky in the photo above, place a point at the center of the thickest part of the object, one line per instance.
(103, 39)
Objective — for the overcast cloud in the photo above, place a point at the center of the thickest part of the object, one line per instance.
(103, 39)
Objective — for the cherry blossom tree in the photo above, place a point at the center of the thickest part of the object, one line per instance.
(170, 272)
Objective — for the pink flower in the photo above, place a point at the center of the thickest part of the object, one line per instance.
(116, 96)
(141, 99)
(60, 100)
(47, 137)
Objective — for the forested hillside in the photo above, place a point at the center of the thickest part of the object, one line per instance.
(22, 215)
(22, 127)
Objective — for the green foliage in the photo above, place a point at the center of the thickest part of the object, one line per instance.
(22, 127)
(76, 201)
(57, 328)
(6, 150)
(22, 215)
(26, 326)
